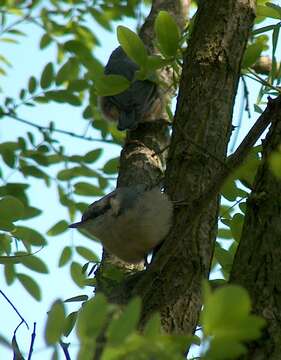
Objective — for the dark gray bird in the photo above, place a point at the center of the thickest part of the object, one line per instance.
(129, 221)
(139, 103)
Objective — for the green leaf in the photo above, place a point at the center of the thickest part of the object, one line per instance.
(226, 315)
(8, 152)
(224, 258)
(153, 326)
(86, 253)
(69, 323)
(167, 33)
(34, 171)
(86, 189)
(45, 41)
(55, 323)
(76, 171)
(236, 226)
(15, 189)
(69, 71)
(84, 54)
(77, 274)
(77, 298)
(275, 163)
(29, 236)
(47, 76)
(63, 96)
(156, 62)
(107, 85)
(31, 212)
(111, 167)
(10, 274)
(132, 45)
(120, 328)
(30, 286)
(226, 349)
(5, 243)
(33, 262)
(253, 51)
(101, 18)
(77, 85)
(10, 260)
(60, 227)
(11, 208)
(93, 155)
(224, 234)
(268, 12)
(65, 256)
(95, 309)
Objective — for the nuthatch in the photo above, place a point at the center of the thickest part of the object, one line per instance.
(139, 103)
(129, 221)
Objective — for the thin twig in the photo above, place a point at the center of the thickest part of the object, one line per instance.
(33, 335)
(16, 310)
(246, 94)
(231, 207)
(64, 347)
(15, 23)
(261, 80)
(61, 131)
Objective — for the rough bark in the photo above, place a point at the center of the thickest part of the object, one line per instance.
(172, 283)
(211, 72)
(142, 159)
(257, 264)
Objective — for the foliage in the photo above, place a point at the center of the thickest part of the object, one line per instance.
(227, 322)
(74, 78)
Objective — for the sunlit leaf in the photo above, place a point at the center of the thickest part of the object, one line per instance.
(95, 309)
(125, 324)
(132, 45)
(167, 33)
(55, 323)
(107, 85)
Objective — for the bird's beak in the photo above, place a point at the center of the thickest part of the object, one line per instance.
(76, 225)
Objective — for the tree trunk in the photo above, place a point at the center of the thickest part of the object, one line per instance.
(257, 263)
(204, 112)
(211, 70)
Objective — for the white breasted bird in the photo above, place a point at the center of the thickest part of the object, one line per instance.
(129, 221)
(139, 103)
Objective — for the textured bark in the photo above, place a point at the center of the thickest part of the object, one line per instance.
(257, 264)
(142, 159)
(211, 71)
(172, 283)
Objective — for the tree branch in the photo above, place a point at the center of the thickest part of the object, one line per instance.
(15, 309)
(256, 264)
(60, 131)
(33, 335)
